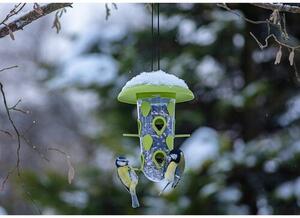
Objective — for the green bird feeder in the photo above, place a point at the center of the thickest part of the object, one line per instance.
(155, 94)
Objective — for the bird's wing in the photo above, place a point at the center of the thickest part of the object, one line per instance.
(179, 171)
(181, 166)
(134, 177)
(124, 184)
(125, 179)
(176, 181)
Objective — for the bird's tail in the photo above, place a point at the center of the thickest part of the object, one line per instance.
(176, 181)
(134, 200)
(164, 188)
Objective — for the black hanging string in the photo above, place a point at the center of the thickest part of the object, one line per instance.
(152, 27)
(155, 42)
(158, 41)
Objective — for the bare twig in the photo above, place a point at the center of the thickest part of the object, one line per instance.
(31, 16)
(8, 68)
(275, 38)
(4, 181)
(279, 21)
(108, 10)
(7, 109)
(275, 21)
(6, 132)
(13, 125)
(17, 8)
(242, 16)
(71, 170)
(35, 148)
(286, 35)
(14, 108)
(279, 7)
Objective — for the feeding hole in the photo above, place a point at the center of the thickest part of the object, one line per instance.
(159, 158)
(159, 124)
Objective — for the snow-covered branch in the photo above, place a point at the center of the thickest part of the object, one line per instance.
(280, 7)
(21, 22)
(277, 20)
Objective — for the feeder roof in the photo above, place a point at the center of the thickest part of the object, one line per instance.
(157, 82)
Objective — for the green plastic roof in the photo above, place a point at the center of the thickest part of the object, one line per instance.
(131, 94)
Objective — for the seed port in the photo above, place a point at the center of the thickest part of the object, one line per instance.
(159, 158)
(159, 124)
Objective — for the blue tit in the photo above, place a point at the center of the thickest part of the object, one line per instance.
(128, 178)
(175, 168)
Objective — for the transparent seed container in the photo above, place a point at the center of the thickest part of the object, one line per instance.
(156, 129)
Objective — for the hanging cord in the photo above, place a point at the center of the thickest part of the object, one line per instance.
(152, 30)
(158, 39)
(155, 42)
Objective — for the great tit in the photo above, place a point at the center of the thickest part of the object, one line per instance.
(175, 168)
(128, 178)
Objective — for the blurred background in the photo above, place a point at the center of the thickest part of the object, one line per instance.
(244, 151)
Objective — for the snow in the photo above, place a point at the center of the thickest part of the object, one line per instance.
(250, 161)
(285, 191)
(2, 211)
(289, 189)
(264, 56)
(184, 202)
(103, 159)
(237, 209)
(186, 6)
(238, 40)
(210, 71)
(87, 70)
(297, 188)
(230, 194)
(49, 211)
(128, 16)
(292, 113)
(209, 189)
(203, 36)
(270, 166)
(263, 207)
(84, 27)
(203, 145)
(155, 78)
(222, 16)
(77, 198)
(84, 103)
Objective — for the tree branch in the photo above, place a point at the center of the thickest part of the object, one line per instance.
(279, 7)
(8, 68)
(13, 125)
(31, 16)
(223, 5)
(275, 19)
(17, 8)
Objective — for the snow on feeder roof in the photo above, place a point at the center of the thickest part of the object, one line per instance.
(155, 83)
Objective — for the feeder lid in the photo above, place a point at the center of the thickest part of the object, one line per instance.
(156, 83)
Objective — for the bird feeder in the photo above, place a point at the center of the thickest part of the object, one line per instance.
(155, 94)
